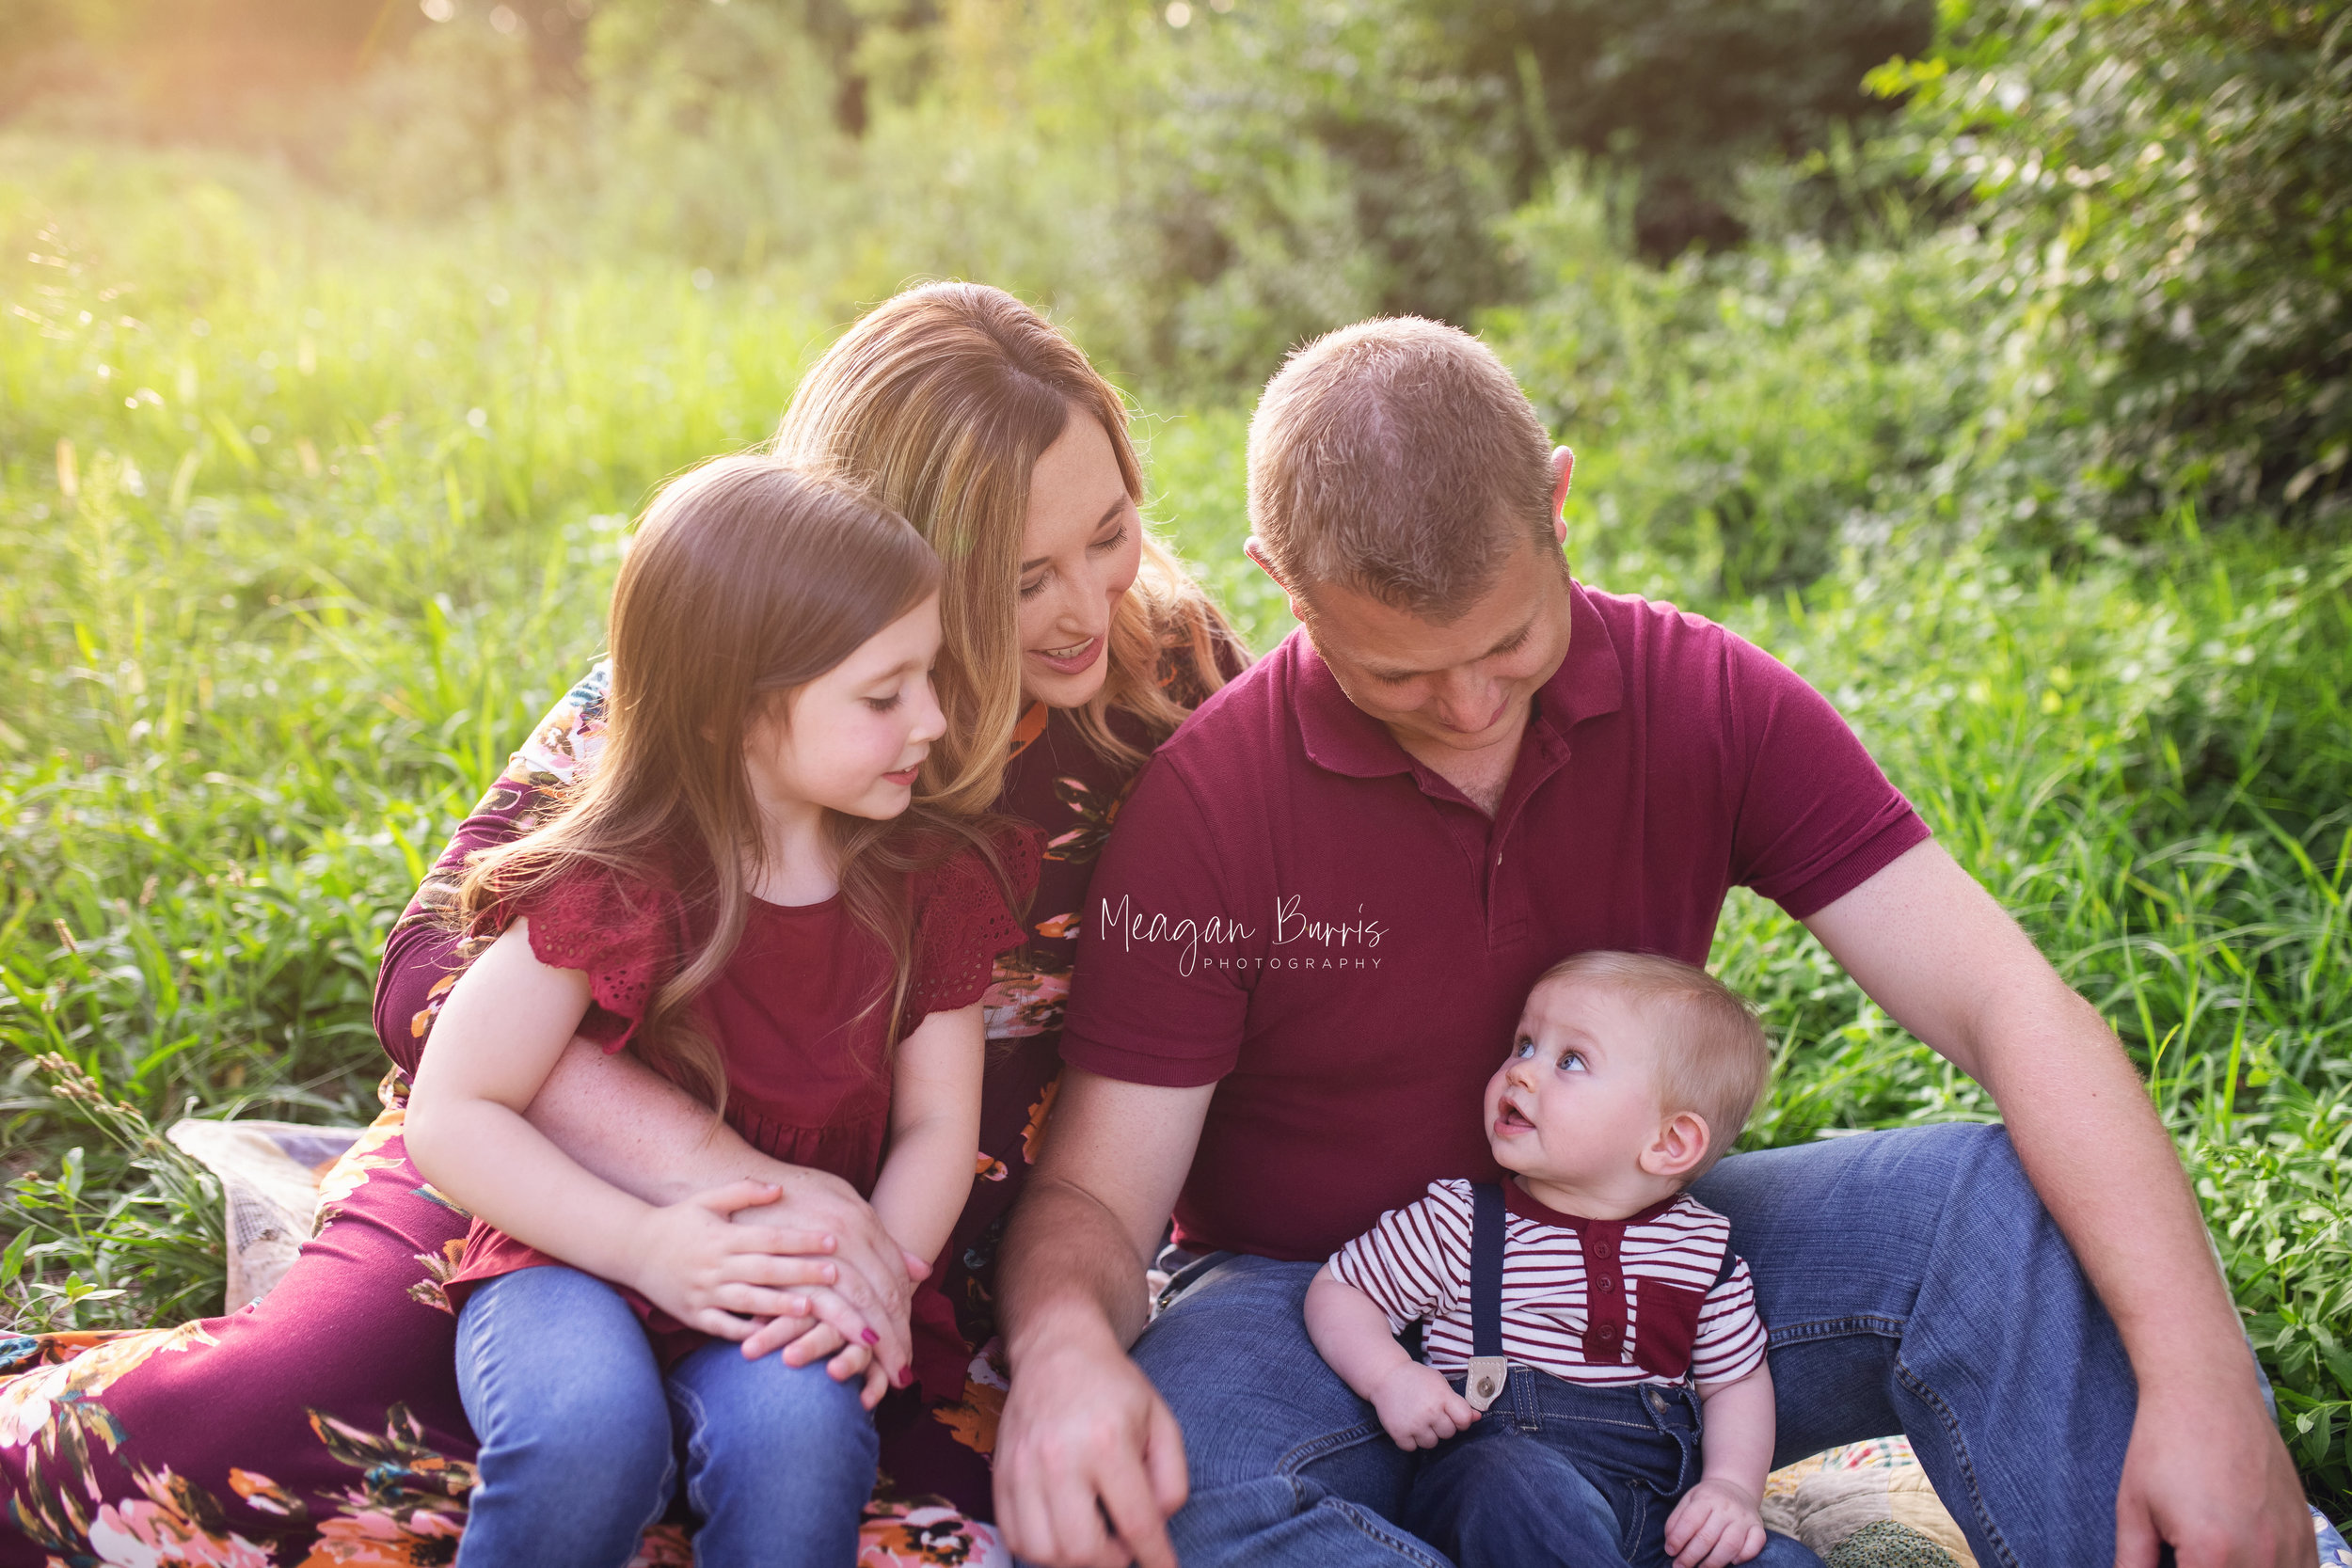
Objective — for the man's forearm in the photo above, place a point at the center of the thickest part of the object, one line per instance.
(1069, 1270)
(2095, 1151)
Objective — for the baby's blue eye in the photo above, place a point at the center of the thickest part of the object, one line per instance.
(1573, 1061)
(1523, 1050)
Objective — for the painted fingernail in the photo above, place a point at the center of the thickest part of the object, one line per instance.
(869, 1336)
(906, 1375)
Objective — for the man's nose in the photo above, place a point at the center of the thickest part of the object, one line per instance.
(1466, 701)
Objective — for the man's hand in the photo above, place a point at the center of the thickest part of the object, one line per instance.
(1089, 1462)
(2167, 1495)
(2205, 1470)
(1715, 1524)
(1419, 1407)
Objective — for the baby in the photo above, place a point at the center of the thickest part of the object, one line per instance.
(1586, 1307)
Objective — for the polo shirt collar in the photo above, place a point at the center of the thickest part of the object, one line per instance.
(1342, 738)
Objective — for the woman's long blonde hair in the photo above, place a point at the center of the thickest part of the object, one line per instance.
(745, 580)
(939, 402)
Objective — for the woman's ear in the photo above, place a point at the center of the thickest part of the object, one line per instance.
(1682, 1143)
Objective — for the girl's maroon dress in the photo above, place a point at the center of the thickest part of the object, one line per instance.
(322, 1426)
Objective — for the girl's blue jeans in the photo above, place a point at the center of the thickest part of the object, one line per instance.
(1910, 1280)
(1558, 1476)
(583, 1437)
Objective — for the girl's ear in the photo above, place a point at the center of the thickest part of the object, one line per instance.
(1682, 1143)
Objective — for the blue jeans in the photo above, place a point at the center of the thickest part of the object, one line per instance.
(1910, 1280)
(582, 1433)
(1558, 1476)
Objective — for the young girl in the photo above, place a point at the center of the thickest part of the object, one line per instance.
(744, 892)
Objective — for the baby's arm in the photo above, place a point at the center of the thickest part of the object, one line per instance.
(926, 1180)
(505, 1023)
(1417, 1405)
(1719, 1521)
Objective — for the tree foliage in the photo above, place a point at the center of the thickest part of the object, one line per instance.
(2166, 181)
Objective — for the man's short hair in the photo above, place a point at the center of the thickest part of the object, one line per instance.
(1712, 1055)
(1398, 458)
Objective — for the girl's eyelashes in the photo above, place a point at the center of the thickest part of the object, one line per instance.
(1114, 541)
(883, 705)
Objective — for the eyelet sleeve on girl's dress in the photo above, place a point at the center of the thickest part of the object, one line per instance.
(962, 922)
(624, 938)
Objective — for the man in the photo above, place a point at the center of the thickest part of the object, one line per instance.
(1304, 950)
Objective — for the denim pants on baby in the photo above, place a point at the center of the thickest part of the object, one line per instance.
(1557, 1475)
(583, 1437)
(1910, 1280)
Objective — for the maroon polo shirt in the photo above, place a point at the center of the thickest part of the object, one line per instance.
(1295, 909)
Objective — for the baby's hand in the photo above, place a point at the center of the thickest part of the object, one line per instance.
(1419, 1408)
(719, 1277)
(1715, 1524)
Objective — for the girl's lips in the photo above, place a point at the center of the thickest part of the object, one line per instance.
(904, 775)
(1075, 664)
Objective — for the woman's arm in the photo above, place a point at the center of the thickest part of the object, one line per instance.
(501, 1029)
(934, 1131)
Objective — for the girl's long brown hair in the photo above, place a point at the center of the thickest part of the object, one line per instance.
(939, 402)
(746, 579)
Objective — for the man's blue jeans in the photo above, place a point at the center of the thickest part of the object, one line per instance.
(581, 1432)
(1910, 1280)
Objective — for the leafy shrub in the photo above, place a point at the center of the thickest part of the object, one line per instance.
(2165, 181)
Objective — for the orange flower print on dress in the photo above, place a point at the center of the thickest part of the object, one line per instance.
(159, 1533)
(925, 1533)
(972, 1421)
(88, 1363)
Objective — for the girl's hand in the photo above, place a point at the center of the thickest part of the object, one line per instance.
(1715, 1524)
(718, 1278)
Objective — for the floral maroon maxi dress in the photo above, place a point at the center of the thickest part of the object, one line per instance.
(321, 1426)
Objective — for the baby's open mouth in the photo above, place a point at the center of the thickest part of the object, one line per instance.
(1513, 1116)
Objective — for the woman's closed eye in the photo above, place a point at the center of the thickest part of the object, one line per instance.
(1112, 542)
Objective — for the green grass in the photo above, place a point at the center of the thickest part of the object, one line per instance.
(304, 519)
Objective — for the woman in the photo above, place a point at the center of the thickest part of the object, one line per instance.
(322, 1425)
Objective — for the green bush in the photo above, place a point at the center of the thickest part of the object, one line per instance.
(2165, 179)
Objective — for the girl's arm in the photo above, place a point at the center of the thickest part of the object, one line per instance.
(501, 1029)
(934, 1131)
(1719, 1521)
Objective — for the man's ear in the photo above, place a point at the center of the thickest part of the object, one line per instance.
(1255, 552)
(1682, 1143)
(1562, 471)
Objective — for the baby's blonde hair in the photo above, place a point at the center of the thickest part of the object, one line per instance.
(1712, 1056)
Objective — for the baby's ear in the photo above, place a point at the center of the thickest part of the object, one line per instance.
(1682, 1143)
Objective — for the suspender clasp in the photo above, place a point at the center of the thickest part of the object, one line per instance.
(1483, 1380)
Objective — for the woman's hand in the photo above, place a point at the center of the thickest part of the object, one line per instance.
(719, 1277)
